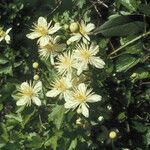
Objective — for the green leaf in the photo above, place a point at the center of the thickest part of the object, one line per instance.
(53, 140)
(148, 136)
(125, 62)
(35, 142)
(122, 116)
(3, 60)
(1, 107)
(6, 69)
(130, 4)
(145, 9)
(140, 127)
(120, 26)
(73, 144)
(57, 115)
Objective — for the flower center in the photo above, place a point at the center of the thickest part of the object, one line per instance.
(67, 62)
(28, 92)
(43, 31)
(85, 54)
(60, 85)
(2, 33)
(49, 47)
(80, 97)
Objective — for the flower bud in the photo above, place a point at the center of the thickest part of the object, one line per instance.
(66, 26)
(112, 135)
(35, 65)
(36, 77)
(74, 27)
(68, 42)
(79, 111)
(78, 121)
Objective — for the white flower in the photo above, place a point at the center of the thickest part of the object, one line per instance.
(84, 55)
(79, 98)
(84, 31)
(43, 31)
(29, 93)
(59, 87)
(50, 50)
(4, 35)
(65, 64)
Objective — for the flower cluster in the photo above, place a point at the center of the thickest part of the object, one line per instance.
(69, 63)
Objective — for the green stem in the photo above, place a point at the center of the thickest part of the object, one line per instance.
(112, 144)
(130, 42)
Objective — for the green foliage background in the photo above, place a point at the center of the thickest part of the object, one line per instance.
(123, 35)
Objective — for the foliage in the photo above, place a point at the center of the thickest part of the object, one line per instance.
(122, 33)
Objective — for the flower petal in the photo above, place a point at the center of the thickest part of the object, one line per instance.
(42, 22)
(7, 39)
(38, 87)
(85, 110)
(8, 30)
(71, 104)
(82, 66)
(97, 62)
(33, 35)
(68, 96)
(22, 101)
(53, 93)
(43, 40)
(82, 88)
(36, 100)
(54, 29)
(94, 98)
(89, 27)
(24, 85)
(75, 38)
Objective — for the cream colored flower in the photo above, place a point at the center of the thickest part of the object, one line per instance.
(84, 31)
(59, 87)
(51, 49)
(65, 64)
(4, 35)
(84, 54)
(29, 93)
(79, 98)
(43, 31)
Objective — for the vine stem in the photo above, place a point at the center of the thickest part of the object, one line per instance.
(130, 42)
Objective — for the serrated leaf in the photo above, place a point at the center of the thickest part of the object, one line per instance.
(120, 26)
(57, 115)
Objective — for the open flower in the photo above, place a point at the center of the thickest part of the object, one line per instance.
(43, 31)
(79, 98)
(29, 93)
(82, 33)
(65, 64)
(51, 49)
(84, 54)
(4, 35)
(59, 87)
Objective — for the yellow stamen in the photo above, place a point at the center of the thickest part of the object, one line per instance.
(60, 85)
(85, 54)
(82, 30)
(28, 92)
(80, 97)
(43, 31)
(2, 33)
